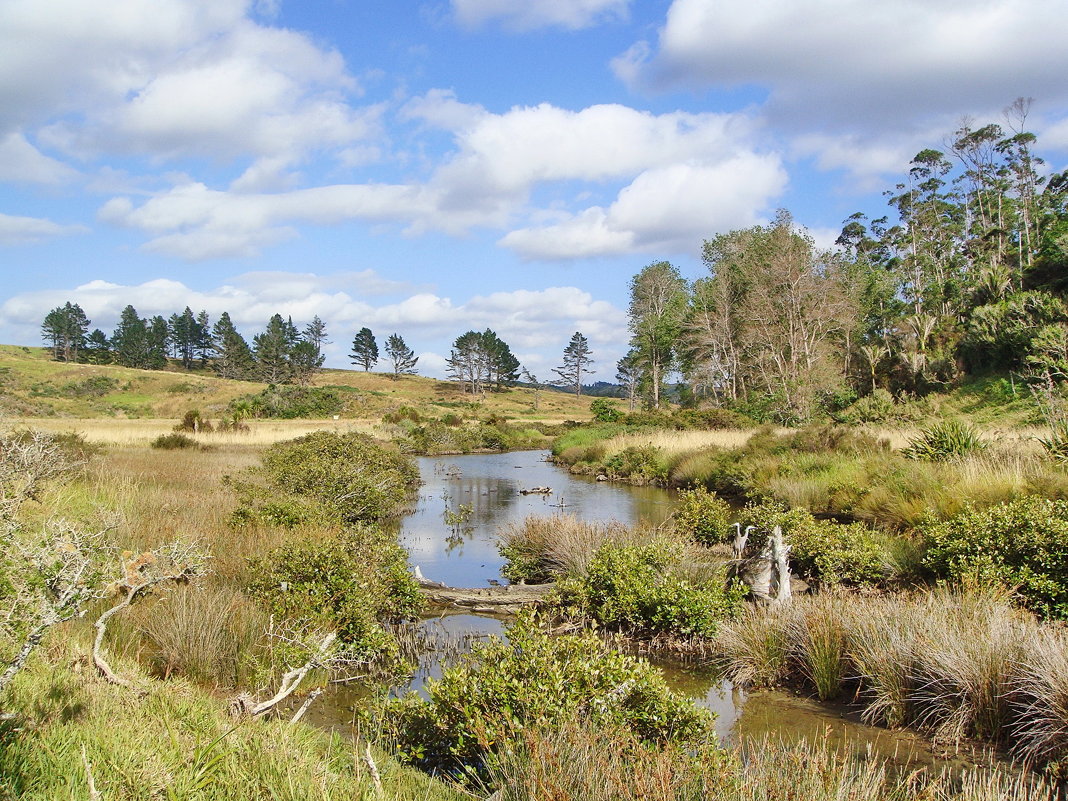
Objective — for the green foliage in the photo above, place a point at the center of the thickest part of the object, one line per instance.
(639, 588)
(604, 411)
(192, 420)
(1022, 544)
(96, 386)
(289, 402)
(950, 439)
(536, 679)
(1056, 444)
(703, 516)
(327, 476)
(448, 436)
(822, 550)
(175, 441)
(640, 463)
(351, 582)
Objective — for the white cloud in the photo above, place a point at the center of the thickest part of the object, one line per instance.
(22, 162)
(25, 230)
(664, 209)
(533, 14)
(859, 65)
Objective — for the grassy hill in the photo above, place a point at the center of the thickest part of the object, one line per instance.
(33, 385)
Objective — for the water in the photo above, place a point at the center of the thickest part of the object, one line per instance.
(465, 555)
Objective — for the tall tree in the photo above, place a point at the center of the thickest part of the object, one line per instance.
(272, 349)
(65, 329)
(577, 362)
(629, 376)
(400, 356)
(364, 349)
(157, 337)
(305, 361)
(233, 357)
(315, 333)
(129, 342)
(97, 348)
(481, 359)
(202, 342)
(657, 307)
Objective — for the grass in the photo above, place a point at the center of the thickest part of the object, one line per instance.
(957, 665)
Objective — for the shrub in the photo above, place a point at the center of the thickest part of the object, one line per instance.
(823, 550)
(604, 411)
(192, 420)
(288, 402)
(943, 441)
(401, 414)
(634, 462)
(501, 689)
(878, 407)
(703, 516)
(327, 476)
(1022, 544)
(352, 582)
(638, 588)
(175, 441)
(544, 548)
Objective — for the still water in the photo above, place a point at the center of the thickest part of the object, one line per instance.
(464, 554)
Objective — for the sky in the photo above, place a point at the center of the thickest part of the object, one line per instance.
(431, 167)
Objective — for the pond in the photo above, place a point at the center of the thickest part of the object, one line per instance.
(464, 554)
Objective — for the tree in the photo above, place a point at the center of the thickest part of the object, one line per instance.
(480, 359)
(315, 333)
(577, 361)
(628, 374)
(233, 357)
(305, 361)
(157, 338)
(401, 356)
(97, 348)
(657, 307)
(129, 342)
(272, 349)
(364, 349)
(65, 329)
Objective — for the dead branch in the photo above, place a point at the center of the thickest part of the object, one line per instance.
(244, 705)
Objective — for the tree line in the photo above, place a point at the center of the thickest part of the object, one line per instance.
(967, 276)
(282, 353)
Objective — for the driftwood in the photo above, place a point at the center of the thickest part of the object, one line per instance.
(505, 599)
(246, 706)
(537, 491)
(767, 574)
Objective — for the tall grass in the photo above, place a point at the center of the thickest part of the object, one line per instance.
(957, 664)
(575, 764)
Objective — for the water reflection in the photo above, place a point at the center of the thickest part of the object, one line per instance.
(491, 485)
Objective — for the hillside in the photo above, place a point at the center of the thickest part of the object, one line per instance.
(33, 385)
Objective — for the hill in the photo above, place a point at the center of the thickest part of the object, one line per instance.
(34, 385)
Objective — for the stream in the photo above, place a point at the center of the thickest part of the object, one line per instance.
(466, 555)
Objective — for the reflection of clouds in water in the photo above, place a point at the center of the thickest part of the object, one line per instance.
(491, 484)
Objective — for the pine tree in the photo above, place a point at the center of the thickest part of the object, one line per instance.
(305, 361)
(402, 357)
(157, 338)
(272, 349)
(65, 329)
(233, 357)
(315, 333)
(97, 348)
(364, 349)
(129, 342)
(577, 362)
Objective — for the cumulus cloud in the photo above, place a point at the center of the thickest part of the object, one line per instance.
(537, 322)
(889, 79)
(534, 14)
(26, 230)
(664, 209)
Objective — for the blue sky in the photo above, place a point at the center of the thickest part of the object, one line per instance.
(430, 167)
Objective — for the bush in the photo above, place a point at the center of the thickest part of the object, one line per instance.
(351, 582)
(822, 550)
(288, 402)
(327, 476)
(703, 516)
(484, 704)
(1022, 544)
(943, 441)
(637, 588)
(604, 411)
(878, 407)
(176, 441)
(194, 421)
(634, 462)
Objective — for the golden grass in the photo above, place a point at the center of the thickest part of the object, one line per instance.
(143, 431)
(677, 442)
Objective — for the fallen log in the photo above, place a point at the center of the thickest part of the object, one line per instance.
(505, 599)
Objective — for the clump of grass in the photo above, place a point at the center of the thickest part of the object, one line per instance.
(543, 549)
(175, 441)
(949, 439)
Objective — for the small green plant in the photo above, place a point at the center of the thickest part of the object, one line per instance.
(1056, 444)
(640, 589)
(703, 516)
(950, 439)
(604, 411)
(503, 688)
(175, 441)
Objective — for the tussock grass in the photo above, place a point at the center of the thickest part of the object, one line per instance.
(575, 764)
(957, 664)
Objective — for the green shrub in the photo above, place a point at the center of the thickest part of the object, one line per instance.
(289, 402)
(175, 441)
(642, 463)
(484, 704)
(703, 516)
(1056, 444)
(878, 407)
(192, 420)
(637, 588)
(604, 411)
(1022, 544)
(822, 550)
(401, 414)
(327, 476)
(943, 441)
(351, 582)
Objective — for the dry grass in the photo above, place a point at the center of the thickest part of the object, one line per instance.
(672, 443)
